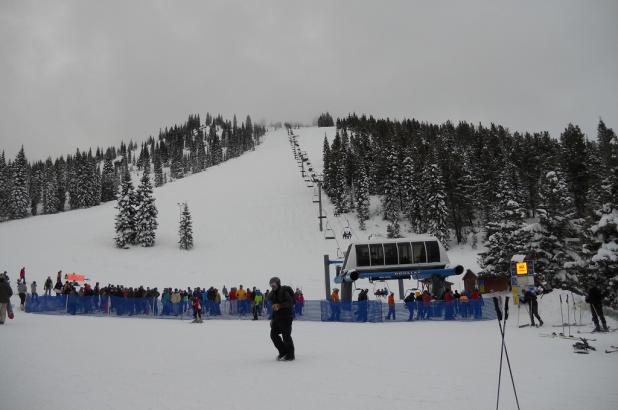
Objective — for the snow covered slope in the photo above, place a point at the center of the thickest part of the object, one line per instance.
(253, 218)
(118, 363)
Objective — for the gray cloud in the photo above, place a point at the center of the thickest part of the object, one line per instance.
(87, 73)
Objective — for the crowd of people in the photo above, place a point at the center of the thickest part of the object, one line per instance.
(450, 305)
(126, 300)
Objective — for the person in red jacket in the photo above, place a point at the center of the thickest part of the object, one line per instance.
(197, 309)
(391, 306)
(22, 274)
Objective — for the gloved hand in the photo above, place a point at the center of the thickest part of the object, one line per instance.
(275, 307)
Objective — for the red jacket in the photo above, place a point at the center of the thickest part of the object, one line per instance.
(475, 295)
(391, 299)
(426, 297)
(448, 297)
(196, 304)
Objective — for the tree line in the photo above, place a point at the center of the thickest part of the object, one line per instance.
(86, 179)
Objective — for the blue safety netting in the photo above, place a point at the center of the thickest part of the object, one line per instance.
(363, 311)
(441, 310)
(311, 310)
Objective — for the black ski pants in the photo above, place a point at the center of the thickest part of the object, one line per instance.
(597, 312)
(281, 335)
(534, 311)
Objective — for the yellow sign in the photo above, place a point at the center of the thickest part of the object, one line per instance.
(521, 268)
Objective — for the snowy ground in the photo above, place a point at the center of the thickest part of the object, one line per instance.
(119, 363)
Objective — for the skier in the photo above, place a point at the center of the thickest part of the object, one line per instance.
(5, 296)
(595, 298)
(530, 299)
(22, 288)
(281, 323)
(22, 273)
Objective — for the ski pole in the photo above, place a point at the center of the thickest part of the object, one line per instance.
(506, 352)
(499, 316)
(561, 314)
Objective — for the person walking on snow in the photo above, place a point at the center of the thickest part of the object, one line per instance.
(281, 298)
(5, 297)
(533, 304)
(595, 298)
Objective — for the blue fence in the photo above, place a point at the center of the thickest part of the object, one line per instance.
(311, 310)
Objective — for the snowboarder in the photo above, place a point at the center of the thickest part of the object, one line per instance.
(530, 299)
(595, 298)
(281, 323)
(5, 297)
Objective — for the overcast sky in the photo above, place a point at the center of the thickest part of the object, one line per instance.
(86, 73)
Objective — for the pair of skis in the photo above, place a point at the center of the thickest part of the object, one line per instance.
(611, 349)
(563, 336)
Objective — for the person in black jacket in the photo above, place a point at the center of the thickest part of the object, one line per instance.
(530, 299)
(595, 298)
(281, 323)
(5, 296)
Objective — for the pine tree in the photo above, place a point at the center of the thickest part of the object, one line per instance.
(36, 188)
(574, 156)
(362, 197)
(326, 164)
(201, 154)
(185, 230)
(434, 209)
(108, 181)
(146, 213)
(411, 198)
(4, 187)
(556, 211)
(505, 233)
(61, 181)
(50, 189)
(390, 199)
(603, 248)
(125, 219)
(19, 199)
(158, 171)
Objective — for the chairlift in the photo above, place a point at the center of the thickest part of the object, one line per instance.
(315, 196)
(328, 232)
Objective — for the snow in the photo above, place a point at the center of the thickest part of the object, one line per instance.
(120, 363)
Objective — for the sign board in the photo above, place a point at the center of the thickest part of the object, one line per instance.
(521, 268)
